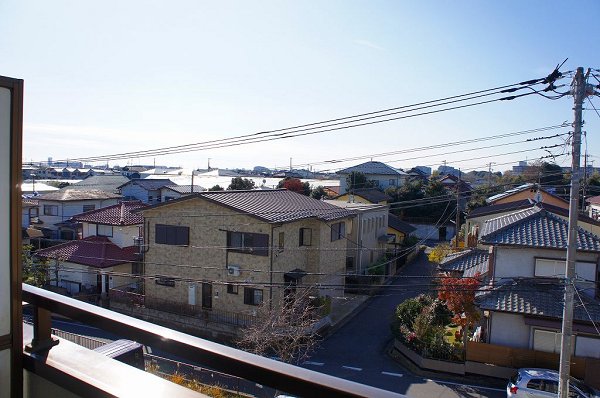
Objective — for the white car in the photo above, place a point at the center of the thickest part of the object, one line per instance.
(543, 383)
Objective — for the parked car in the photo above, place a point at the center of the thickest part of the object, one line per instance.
(543, 383)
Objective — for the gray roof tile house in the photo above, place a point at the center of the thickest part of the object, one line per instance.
(522, 305)
(380, 173)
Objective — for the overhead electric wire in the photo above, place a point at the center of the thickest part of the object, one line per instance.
(295, 132)
(435, 146)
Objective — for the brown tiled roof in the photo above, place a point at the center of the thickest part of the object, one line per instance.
(119, 214)
(594, 200)
(273, 206)
(73, 194)
(93, 251)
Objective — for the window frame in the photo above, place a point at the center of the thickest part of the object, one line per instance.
(233, 288)
(305, 237)
(281, 241)
(173, 235)
(47, 210)
(253, 243)
(338, 231)
(104, 234)
(251, 294)
(93, 207)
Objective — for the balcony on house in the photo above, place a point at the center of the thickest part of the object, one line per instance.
(55, 367)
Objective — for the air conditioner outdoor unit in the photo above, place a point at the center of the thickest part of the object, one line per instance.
(233, 270)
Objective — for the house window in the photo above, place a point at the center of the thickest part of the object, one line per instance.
(338, 231)
(170, 282)
(549, 341)
(392, 181)
(253, 296)
(232, 288)
(350, 263)
(150, 198)
(89, 208)
(50, 210)
(305, 237)
(246, 242)
(105, 230)
(172, 235)
(281, 241)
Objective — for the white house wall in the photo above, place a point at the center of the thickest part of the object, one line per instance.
(509, 330)
(514, 262)
(370, 226)
(122, 235)
(68, 209)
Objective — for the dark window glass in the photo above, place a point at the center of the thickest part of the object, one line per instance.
(232, 288)
(172, 235)
(257, 244)
(89, 208)
(50, 210)
(338, 231)
(281, 241)
(253, 296)
(305, 236)
(535, 384)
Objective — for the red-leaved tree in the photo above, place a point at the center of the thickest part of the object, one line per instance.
(459, 296)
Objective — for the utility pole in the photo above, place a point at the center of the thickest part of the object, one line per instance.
(457, 226)
(490, 175)
(579, 92)
(585, 179)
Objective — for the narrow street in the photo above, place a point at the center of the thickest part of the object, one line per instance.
(357, 351)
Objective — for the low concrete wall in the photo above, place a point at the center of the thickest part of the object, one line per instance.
(431, 364)
(487, 369)
(187, 324)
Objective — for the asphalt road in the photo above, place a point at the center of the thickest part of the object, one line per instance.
(357, 350)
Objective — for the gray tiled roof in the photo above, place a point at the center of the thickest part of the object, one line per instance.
(481, 268)
(109, 183)
(495, 224)
(530, 297)
(535, 227)
(396, 223)
(185, 189)
(74, 194)
(509, 192)
(277, 205)
(150, 184)
(272, 206)
(371, 194)
(501, 208)
(465, 259)
(373, 167)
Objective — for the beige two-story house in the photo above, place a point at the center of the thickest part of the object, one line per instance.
(232, 251)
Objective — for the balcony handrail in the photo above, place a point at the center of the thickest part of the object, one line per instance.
(282, 376)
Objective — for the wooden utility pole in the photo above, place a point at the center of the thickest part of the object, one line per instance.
(457, 226)
(579, 92)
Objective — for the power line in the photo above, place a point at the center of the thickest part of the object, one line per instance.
(277, 134)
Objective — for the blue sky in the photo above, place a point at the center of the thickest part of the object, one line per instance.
(114, 76)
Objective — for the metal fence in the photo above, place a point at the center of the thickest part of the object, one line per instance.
(174, 307)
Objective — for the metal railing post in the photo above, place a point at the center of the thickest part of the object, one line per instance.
(42, 331)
